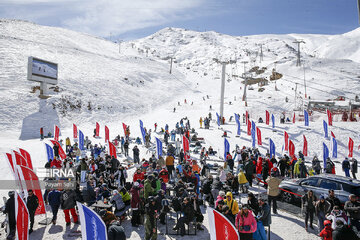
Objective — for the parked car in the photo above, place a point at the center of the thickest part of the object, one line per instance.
(320, 184)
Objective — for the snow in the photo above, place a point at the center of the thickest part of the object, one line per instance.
(130, 86)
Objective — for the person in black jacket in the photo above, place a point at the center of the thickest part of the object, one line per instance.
(150, 220)
(343, 232)
(68, 203)
(116, 231)
(56, 150)
(32, 203)
(249, 171)
(10, 211)
(308, 205)
(136, 152)
(228, 214)
(253, 203)
(264, 215)
(334, 201)
(188, 211)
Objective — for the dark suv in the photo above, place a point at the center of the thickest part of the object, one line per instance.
(320, 185)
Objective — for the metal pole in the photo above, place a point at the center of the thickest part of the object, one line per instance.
(295, 95)
(171, 64)
(222, 91)
(305, 81)
(245, 78)
(359, 9)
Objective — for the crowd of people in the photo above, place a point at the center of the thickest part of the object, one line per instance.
(174, 183)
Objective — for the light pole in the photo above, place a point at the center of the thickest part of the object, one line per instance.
(120, 41)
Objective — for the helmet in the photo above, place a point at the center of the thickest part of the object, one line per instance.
(326, 222)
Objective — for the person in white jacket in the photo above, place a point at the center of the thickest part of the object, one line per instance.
(337, 214)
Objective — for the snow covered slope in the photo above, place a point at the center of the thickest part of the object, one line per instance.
(94, 79)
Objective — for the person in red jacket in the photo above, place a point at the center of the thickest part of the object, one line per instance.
(326, 233)
(164, 174)
(55, 163)
(270, 164)
(138, 175)
(135, 204)
(259, 165)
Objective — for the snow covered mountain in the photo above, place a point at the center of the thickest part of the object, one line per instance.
(95, 80)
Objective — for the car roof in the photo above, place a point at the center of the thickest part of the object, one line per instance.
(338, 178)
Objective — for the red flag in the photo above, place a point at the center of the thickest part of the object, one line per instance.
(258, 133)
(62, 154)
(22, 218)
(112, 149)
(329, 114)
(19, 159)
(75, 131)
(247, 117)
(221, 227)
(107, 134)
(186, 147)
(286, 138)
(305, 147)
(332, 134)
(351, 147)
(124, 127)
(12, 164)
(10, 161)
(26, 155)
(291, 148)
(32, 182)
(56, 133)
(249, 127)
(267, 117)
(294, 118)
(97, 130)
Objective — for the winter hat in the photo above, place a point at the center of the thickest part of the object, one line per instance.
(322, 197)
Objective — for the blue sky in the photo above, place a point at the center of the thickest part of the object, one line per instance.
(138, 18)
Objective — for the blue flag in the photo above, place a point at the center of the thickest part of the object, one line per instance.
(237, 119)
(49, 152)
(218, 119)
(81, 140)
(142, 133)
(306, 117)
(92, 226)
(141, 123)
(272, 148)
(253, 127)
(325, 128)
(325, 154)
(226, 148)
(158, 147)
(334, 145)
(273, 120)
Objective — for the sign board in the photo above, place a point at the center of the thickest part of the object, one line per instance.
(42, 71)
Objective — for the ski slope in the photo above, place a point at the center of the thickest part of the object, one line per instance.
(92, 70)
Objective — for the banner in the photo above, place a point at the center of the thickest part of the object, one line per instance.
(351, 147)
(75, 131)
(306, 118)
(291, 148)
(143, 134)
(112, 149)
(107, 133)
(27, 157)
(19, 159)
(267, 117)
(305, 147)
(61, 151)
(92, 226)
(159, 147)
(56, 133)
(186, 147)
(218, 119)
(325, 129)
(10, 161)
(329, 115)
(49, 152)
(293, 120)
(21, 218)
(97, 130)
(32, 182)
(124, 127)
(334, 148)
(258, 133)
(253, 129)
(226, 148)
(272, 148)
(81, 140)
(141, 123)
(249, 127)
(325, 153)
(273, 120)
(237, 119)
(220, 227)
(286, 139)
